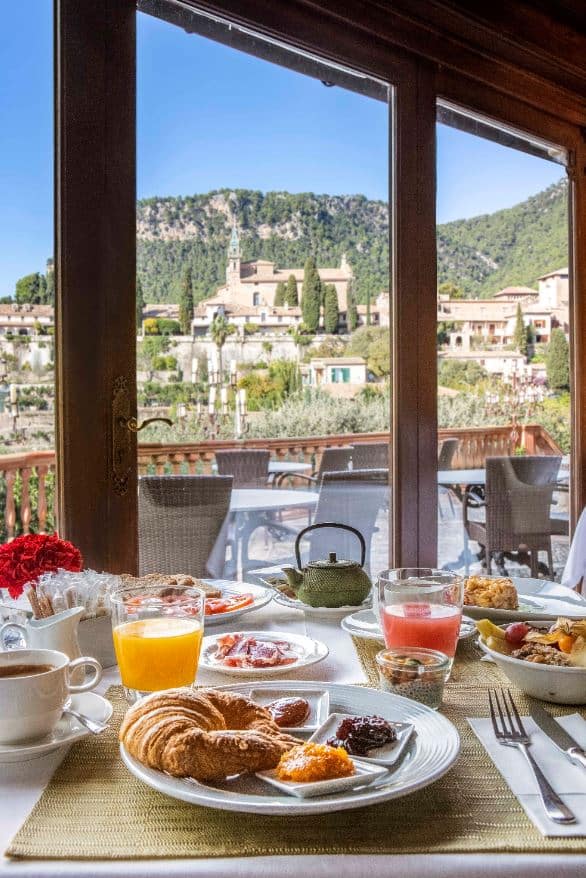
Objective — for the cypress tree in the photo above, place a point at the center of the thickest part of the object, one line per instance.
(352, 311)
(139, 304)
(557, 363)
(311, 295)
(280, 295)
(520, 336)
(331, 308)
(186, 302)
(291, 294)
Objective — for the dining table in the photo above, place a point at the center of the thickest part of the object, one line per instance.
(22, 784)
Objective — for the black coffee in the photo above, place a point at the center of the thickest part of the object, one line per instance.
(24, 670)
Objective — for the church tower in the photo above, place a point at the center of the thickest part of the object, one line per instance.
(233, 268)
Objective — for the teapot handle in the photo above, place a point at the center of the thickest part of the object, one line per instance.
(330, 524)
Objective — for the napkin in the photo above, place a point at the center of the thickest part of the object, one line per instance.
(568, 780)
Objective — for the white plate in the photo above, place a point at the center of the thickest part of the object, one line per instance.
(430, 754)
(387, 755)
(294, 604)
(261, 595)
(538, 599)
(364, 775)
(309, 652)
(319, 707)
(65, 732)
(365, 624)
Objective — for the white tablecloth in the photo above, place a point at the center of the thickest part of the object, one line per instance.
(21, 786)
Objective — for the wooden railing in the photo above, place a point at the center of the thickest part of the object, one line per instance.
(26, 480)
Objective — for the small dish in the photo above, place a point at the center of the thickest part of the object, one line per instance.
(65, 732)
(365, 775)
(308, 652)
(386, 756)
(319, 706)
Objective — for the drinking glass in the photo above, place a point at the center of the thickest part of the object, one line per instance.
(157, 632)
(421, 607)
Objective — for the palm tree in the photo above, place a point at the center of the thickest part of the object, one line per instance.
(220, 329)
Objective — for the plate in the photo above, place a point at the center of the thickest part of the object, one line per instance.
(430, 754)
(364, 774)
(538, 599)
(324, 612)
(261, 595)
(365, 624)
(65, 732)
(309, 652)
(387, 755)
(319, 707)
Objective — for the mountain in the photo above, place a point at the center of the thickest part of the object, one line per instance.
(481, 255)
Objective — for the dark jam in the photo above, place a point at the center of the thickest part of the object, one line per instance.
(360, 734)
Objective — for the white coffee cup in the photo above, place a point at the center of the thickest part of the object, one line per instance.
(31, 704)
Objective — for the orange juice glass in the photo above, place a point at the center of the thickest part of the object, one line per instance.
(421, 607)
(157, 632)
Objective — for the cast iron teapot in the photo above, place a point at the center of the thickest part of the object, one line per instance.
(330, 583)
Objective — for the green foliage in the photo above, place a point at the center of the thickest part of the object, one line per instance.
(32, 289)
(250, 328)
(280, 295)
(450, 289)
(153, 393)
(460, 374)
(140, 303)
(557, 363)
(351, 311)
(443, 330)
(329, 347)
(520, 334)
(267, 348)
(165, 363)
(291, 294)
(161, 326)
(186, 302)
(149, 350)
(373, 343)
(331, 309)
(311, 294)
(268, 389)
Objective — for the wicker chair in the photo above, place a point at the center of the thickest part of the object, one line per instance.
(182, 520)
(371, 455)
(248, 466)
(518, 524)
(447, 449)
(355, 497)
(332, 460)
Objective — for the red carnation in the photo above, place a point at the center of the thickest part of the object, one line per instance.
(28, 557)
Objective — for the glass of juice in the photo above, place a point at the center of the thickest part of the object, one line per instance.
(157, 632)
(421, 607)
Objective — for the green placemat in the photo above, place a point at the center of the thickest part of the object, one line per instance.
(93, 808)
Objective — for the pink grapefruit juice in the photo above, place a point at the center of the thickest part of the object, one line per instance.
(432, 626)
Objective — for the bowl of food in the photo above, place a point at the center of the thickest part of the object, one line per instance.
(544, 660)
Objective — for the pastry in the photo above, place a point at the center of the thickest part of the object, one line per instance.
(499, 593)
(206, 734)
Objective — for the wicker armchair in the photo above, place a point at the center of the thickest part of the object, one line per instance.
(446, 452)
(332, 460)
(249, 467)
(182, 522)
(371, 455)
(355, 497)
(518, 524)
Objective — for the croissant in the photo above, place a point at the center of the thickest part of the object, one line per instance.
(206, 734)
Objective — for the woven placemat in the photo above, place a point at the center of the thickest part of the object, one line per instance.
(93, 808)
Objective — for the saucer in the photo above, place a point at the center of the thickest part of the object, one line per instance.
(65, 732)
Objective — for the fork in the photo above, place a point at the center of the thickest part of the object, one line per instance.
(511, 733)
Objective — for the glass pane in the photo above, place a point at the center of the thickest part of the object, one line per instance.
(263, 303)
(503, 353)
(27, 353)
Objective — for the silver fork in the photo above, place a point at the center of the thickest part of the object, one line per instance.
(511, 732)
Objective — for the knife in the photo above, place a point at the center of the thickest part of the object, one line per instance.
(558, 735)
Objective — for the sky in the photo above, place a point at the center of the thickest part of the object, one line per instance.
(209, 117)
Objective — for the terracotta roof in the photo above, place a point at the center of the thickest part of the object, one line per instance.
(515, 291)
(27, 310)
(561, 272)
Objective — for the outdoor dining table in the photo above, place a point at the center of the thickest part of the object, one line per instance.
(21, 785)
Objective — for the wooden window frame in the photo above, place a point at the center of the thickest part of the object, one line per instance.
(95, 242)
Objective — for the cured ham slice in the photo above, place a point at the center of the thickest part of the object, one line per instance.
(242, 651)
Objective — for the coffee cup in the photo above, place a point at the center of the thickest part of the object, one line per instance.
(35, 685)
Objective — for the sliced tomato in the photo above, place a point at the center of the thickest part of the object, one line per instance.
(227, 604)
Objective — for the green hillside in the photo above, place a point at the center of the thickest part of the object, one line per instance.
(481, 255)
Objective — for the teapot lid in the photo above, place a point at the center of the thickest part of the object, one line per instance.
(334, 562)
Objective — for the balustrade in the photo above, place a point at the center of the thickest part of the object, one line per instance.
(26, 479)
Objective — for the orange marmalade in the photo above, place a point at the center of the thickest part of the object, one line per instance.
(312, 762)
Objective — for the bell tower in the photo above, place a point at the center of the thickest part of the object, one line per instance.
(233, 268)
